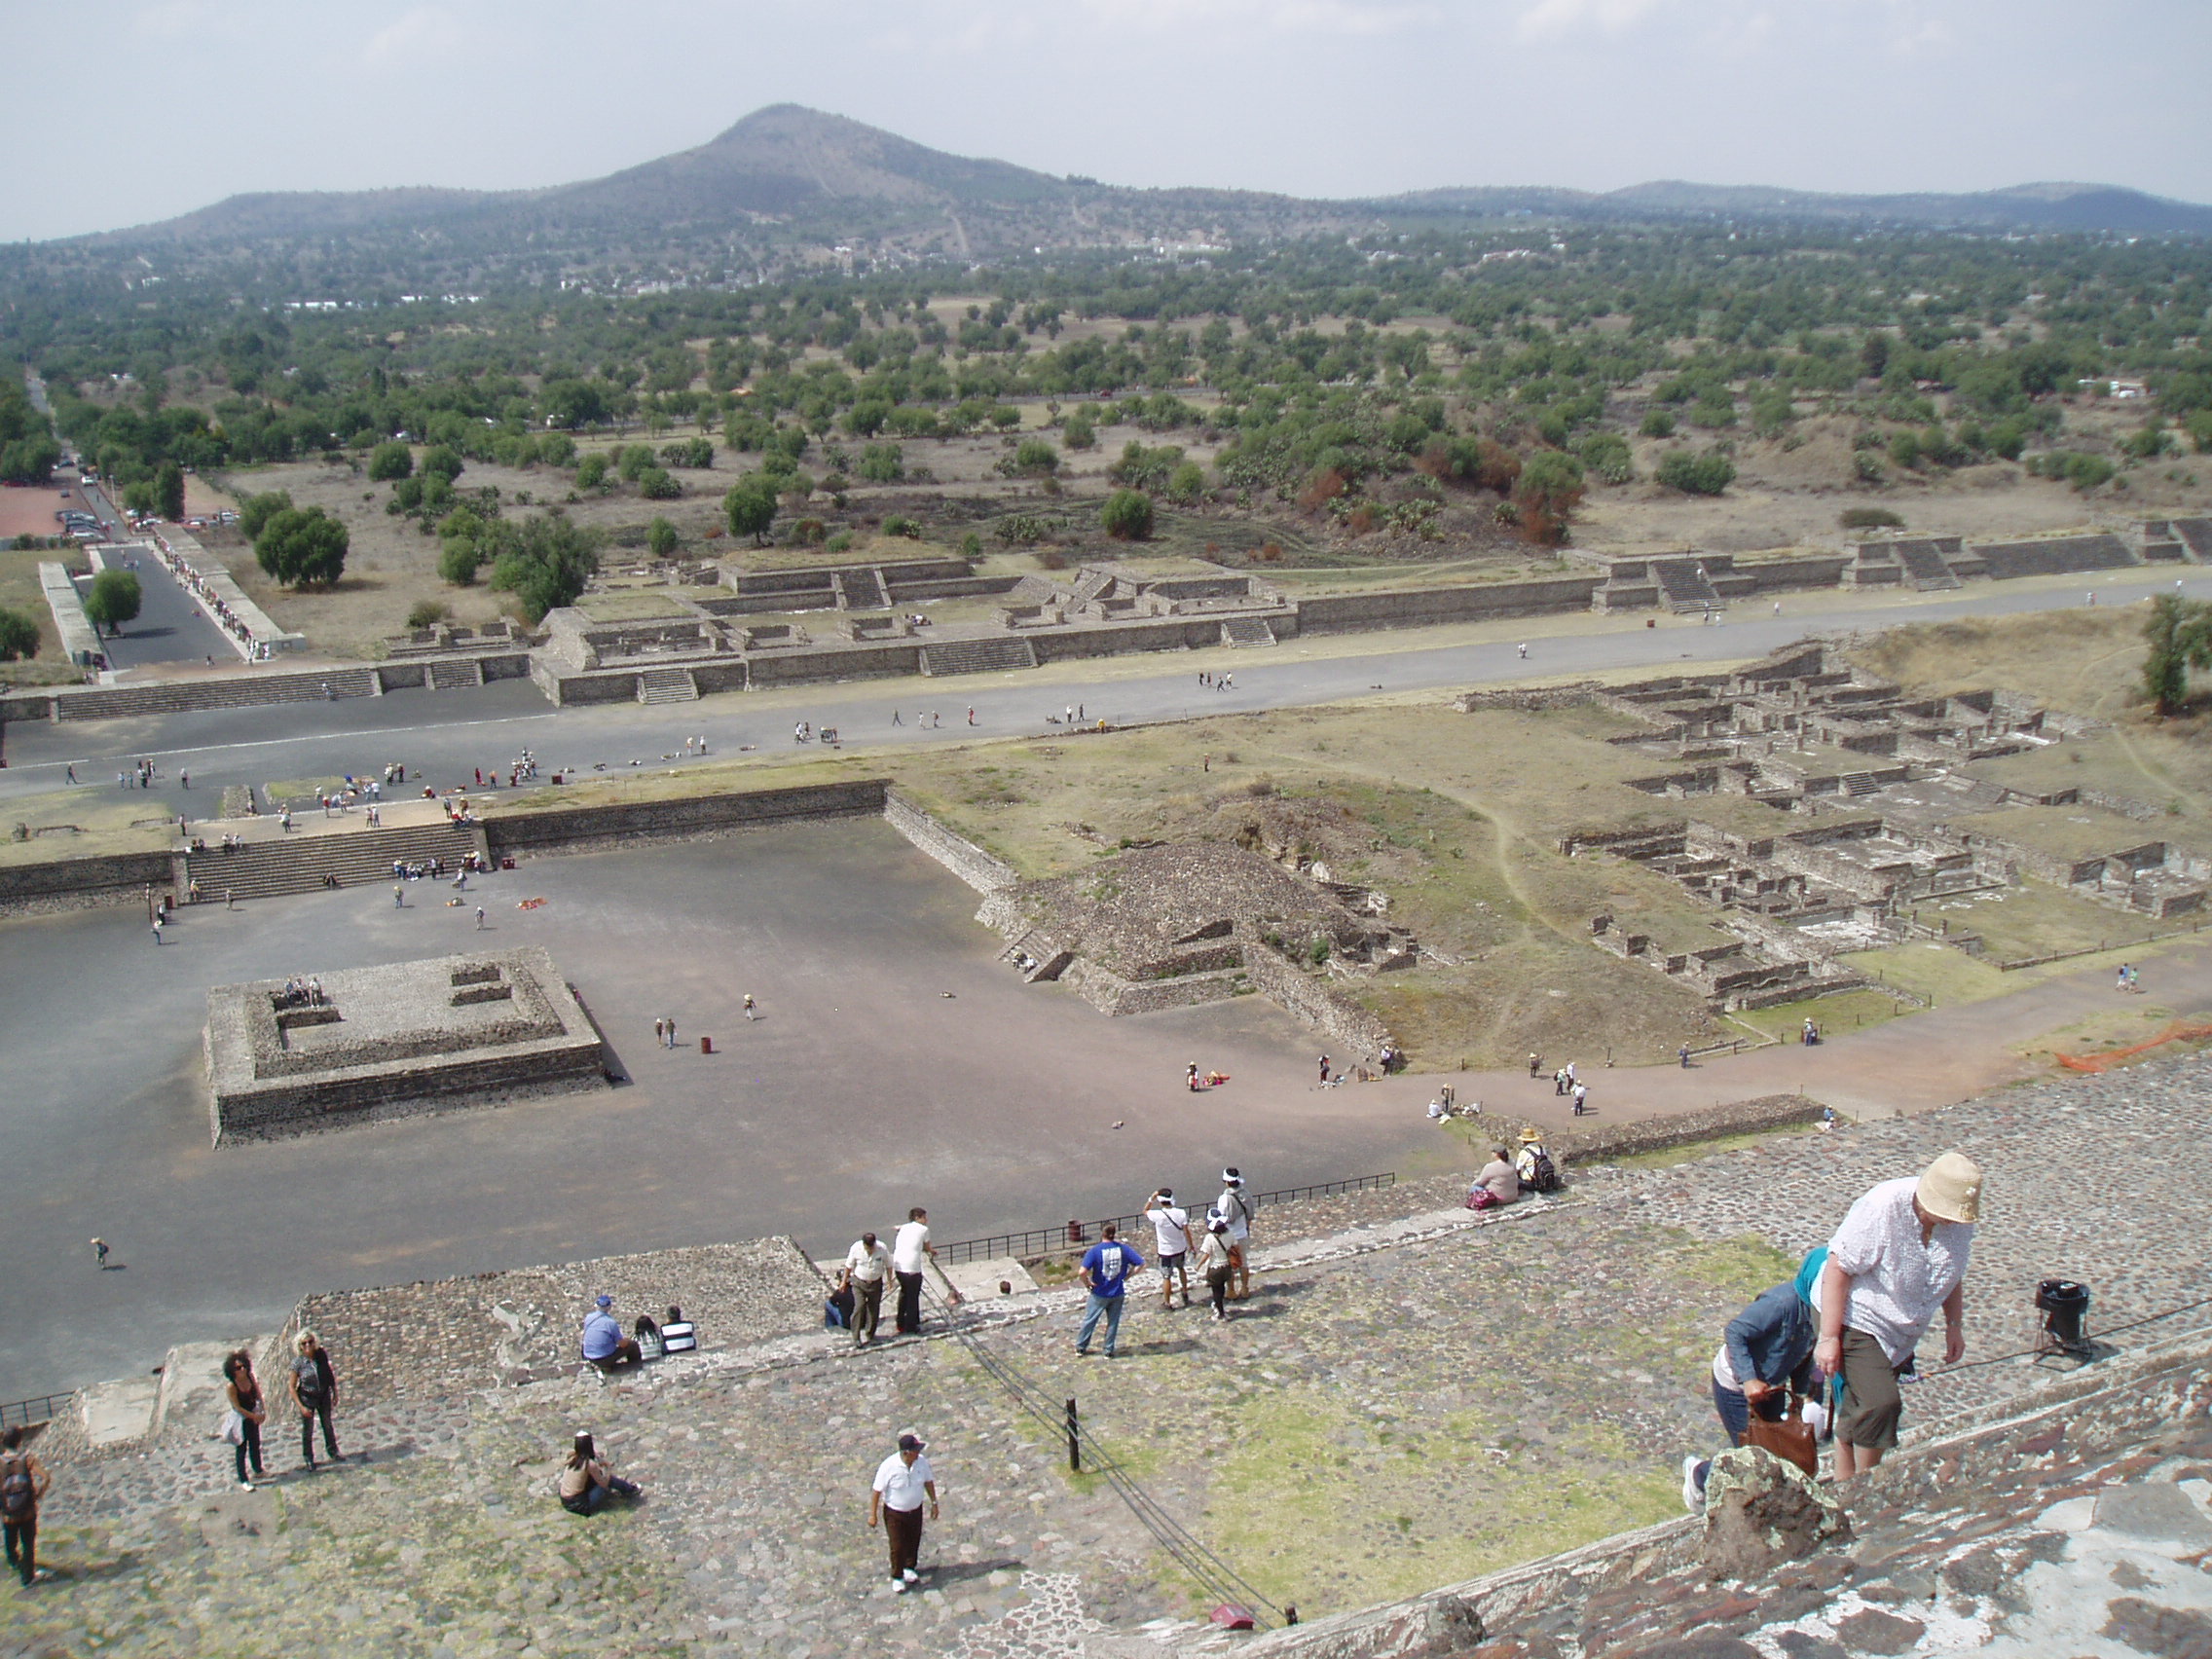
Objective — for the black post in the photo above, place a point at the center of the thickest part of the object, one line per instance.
(1074, 1443)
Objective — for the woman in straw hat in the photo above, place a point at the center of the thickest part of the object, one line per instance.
(1900, 1255)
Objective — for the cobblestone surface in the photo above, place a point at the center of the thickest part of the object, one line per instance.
(1402, 1404)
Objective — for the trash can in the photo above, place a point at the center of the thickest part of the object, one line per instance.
(705, 1045)
(2065, 1308)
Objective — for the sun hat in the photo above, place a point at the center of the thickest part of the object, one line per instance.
(1229, 1177)
(1950, 1187)
(1530, 1137)
(605, 1301)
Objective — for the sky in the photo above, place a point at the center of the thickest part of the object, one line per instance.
(148, 108)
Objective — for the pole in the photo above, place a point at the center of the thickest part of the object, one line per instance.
(1074, 1443)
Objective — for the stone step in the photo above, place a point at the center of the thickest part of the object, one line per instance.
(267, 870)
(976, 656)
(449, 676)
(667, 686)
(1247, 631)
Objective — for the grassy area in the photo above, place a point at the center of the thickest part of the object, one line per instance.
(2038, 919)
(1762, 1256)
(20, 590)
(2130, 1021)
(630, 605)
(86, 823)
(1846, 1011)
(2085, 660)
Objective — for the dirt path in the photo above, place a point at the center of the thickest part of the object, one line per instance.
(1901, 1066)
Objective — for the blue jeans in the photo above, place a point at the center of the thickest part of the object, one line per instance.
(1736, 1411)
(1111, 1307)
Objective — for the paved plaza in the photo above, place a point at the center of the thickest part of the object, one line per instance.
(1401, 1405)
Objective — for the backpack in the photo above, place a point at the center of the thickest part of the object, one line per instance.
(1543, 1176)
(310, 1381)
(19, 1497)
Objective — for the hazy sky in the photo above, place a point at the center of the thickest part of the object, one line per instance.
(147, 108)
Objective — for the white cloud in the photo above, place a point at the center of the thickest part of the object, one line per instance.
(1548, 19)
(1275, 16)
(418, 33)
(173, 19)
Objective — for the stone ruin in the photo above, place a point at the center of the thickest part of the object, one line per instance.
(1873, 775)
(395, 1040)
(1175, 926)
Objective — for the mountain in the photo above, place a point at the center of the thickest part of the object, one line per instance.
(787, 179)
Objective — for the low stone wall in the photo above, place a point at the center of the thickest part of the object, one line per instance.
(577, 828)
(985, 873)
(1095, 640)
(1348, 1026)
(858, 662)
(76, 884)
(1421, 608)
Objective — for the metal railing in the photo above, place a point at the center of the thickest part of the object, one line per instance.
(1073, 1236)
(21, 1414)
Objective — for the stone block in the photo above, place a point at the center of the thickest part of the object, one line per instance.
(1760, 1511)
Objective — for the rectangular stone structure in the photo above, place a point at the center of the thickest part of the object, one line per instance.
(447, 1032)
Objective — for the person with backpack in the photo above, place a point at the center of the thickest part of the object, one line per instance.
(1234, 1207)
(1534, 1165)
(248, 1412)
(1105, 1274)
(314, 1390)
(23, 1481)
(1214, 1262)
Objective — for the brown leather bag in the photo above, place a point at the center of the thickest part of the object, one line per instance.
(1792, 1439)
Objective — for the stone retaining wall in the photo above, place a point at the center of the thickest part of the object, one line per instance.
(576, 827)
(1421, 608)
(985, 873)
(1346, 1025)
(76, 884)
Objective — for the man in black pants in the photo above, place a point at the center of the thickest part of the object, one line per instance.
(23, 1481)
(910, 1252)
(314, 1390)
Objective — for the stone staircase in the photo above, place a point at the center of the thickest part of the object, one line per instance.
(862, 590)
(1247, 631)
(118, 702)
(976, 656)
(1925, 568)
(297, 864)
(1865, 783)
(667, 686)
(1685, 587)
(451, 674)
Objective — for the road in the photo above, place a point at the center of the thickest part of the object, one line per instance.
(445, 735)
(170, 627)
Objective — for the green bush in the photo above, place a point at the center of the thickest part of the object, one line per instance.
(1127, 515)
(458, 562)
(18, 635)
(427, 613)
(1659, 423)
(1706, 474)
(390, 461)
(634, 461)
(1869, 518)
(899, 524)
(882, 463)
(591, 471)
(661, 537)
(442, 460)
(656, 484)
(1607, 455)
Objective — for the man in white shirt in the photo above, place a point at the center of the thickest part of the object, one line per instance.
(910, 1252)
(903, 1482)
(1900, 1254)
(1171, 1228)
(1234, 1207)
(867, 1264)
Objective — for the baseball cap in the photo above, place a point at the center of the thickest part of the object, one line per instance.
(1950, 1187)
(910, 1441)
(605, 1301)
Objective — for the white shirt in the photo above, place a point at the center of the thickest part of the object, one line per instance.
(1234, 1207)
(906, 1253)
(1168, 1223)
(867, 1265)
(902, 1488)
(1896, 1282)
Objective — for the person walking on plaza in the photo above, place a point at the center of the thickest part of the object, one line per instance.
(314, 1390)
(23, 1483)
(1900, 1254)
(1105, 1272)
(660, 1033)
(1324, 1071)
(479, 918)
(672, 1031)
(1216, 1261)
(248, 1412)
(1234, 1207)
(868, 1264)
(751, 1009)
(587, 1483)
(1581, 1098)
(904, 1482)
(99, 1253)
(911, 1253)
(1171, 1229)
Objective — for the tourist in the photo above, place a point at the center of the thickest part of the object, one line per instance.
(1216, 1259)
(1534, 1164)
(1581, 1098)
(837, 1306)
(1765, 1356)
(867, 1264)
(159, 920)
(1190, 1076)
(248, 1412)
(398, 897)
(99, 1253)
(1496, 1182)
(910, 1252)
(1324, 1071)
(1535, 1065)
(660, 1033)
(1171, 1229)
(1234, 1207)
(1105, 1274)
(1524, 653)
(903, 1482)
(1900, 1254)
(314, 1390)
(752, 1010)
(603, 1343)
(587, 1483)
(479, 918)
(23, 1483)
(672, 1032)
(1683, 1055)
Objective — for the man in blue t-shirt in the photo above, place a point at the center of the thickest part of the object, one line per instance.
(1106, 1270)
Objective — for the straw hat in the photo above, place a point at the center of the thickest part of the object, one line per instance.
(1950, 1187)
(1530, 1137)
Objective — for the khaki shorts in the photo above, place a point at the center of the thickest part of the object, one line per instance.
(1871, 1403)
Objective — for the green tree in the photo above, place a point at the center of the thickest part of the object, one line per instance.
(2179, 634)
(139, 499)
(302, 547)
(1127, 515)
(591, 471)
(882, 463)
(460, 559)
(442, 460)
(114, 599)
(635, 461)
(657, 483)
(661, 537)
(1706, 474)
(1035, 457)
(1187, 482)
(1658, 424)
(543, 562)
(388, 462)
(750, 506)
(1079, 433)
(18, 635)
(169, 491)
(1547, 492)
(257, 510)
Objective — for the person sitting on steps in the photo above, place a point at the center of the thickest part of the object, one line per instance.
(605, 1345)
(587, 1483)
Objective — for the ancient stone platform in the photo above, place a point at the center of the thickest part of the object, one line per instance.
(410, 1036)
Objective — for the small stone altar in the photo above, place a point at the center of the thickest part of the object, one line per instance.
(450, 1032)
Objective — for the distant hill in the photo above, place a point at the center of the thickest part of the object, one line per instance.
(787, 178)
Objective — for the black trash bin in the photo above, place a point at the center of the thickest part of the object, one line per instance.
(2065, 1308)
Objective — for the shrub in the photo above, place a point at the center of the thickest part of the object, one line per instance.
(1706, 474)
(899, 524)
(591, 471)
(1606, 455)
(1869, 518)
(427, 613)
(661, 537)
(633, 461)
(882, 463)
(257, 510)
(390, 461)
(458, 562)
(2083, 471)
(1659, 423)
(1051, 559)
(1035, 457)
(1079, 434)
(442, 460)
(18, 635)
(658, 485)
(1127, 515)
(693, 452)
(842, 542)
(1187, 482)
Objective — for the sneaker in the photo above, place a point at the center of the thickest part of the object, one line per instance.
(909, 1575)
(42, 1577)
(898, 1586)
(245, 1485)
(1219, 1317)
(1083, 1353)
(1694, 1470)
